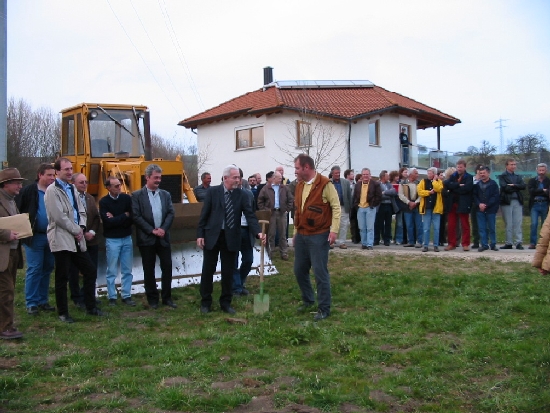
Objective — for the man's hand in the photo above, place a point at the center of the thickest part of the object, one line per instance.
(13, 235)
(88, 236)
(159, 232)
(332, 237)
(79, 236)
(109, 215)
(412, 205)
(482, 207)
(261, 237)
(200, 243)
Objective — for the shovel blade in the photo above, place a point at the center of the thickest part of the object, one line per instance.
(261, 303)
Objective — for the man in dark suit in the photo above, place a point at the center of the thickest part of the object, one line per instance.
(153, 214)
(219, 233)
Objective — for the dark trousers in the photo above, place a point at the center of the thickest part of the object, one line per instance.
(475, 229)
(77, 293)
(7, 292)
(354, 226)
(382, 225)
(149, 255)
(209, 263)
(83, 263)
(247, 259)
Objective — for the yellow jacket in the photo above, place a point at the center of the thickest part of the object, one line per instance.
(423, 193)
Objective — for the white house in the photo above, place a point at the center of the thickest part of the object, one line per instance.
(353, 124)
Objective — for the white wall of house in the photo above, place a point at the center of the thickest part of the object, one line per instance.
(385, 154)
(279, 131)
(219, 141)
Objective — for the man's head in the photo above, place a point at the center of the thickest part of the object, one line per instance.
(206, 179)
(384, 176)
(484, 173)
(258, 178)
(304, 167)
(153, 176)
(45, 174)
(113, 186)
(281, 170)
(276, 179)
(64, 169)
(80, 182)
(335, 171)
(11, 181)
(413, 174)
(252, 180)
(365, 175)
(461, 166)
(511, 165)
(231, 177)
(431, 172)
(542, 169)
(478, 168)
(269, 177)
(349, 175)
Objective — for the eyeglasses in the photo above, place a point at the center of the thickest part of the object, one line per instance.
(116, 186)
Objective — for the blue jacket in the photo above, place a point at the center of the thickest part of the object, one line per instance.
(489, 197)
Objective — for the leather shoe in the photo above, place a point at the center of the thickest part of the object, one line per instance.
(244, 291)
(32, 310)
(11, 334)
(96, 312)
(129, 302)
(320, 316)
(46, 307)
(519, 247)
(532, 246)
(66, 318)
(466, 248)
(229, 310)
(154, 306)
(169, 303)
(112, 302)
(205, 309)
(506, 247)
(450, 247)
(408, 245)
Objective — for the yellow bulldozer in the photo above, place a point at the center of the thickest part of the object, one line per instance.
(103, 140)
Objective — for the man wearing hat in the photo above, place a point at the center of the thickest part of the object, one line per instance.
(10, 252)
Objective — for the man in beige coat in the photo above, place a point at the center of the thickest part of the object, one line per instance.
(10, 252)
(66, 225)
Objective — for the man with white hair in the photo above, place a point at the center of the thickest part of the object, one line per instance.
(219, 234)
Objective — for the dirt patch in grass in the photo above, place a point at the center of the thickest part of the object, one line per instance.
(175, 381)
(8, 363)
(226, 385)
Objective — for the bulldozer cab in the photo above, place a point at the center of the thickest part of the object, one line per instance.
(92, 133)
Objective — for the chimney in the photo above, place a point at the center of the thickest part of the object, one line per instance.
(268, 75)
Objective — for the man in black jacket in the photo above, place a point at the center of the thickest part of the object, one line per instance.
(40, 260)
(538, 201)
(511, 204)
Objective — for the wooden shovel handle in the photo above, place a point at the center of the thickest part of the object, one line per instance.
(262, 249)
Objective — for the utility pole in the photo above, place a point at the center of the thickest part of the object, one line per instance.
(3, 84)
(501, 126)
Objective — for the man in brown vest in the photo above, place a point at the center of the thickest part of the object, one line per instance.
(316, 224)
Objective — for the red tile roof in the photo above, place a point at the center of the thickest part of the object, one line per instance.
(343, 103)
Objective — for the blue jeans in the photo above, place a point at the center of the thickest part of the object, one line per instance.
(119, 251)
(365, 220)
(539, 210)
(487, 224)
(399, 227)
(428, 218)
(312, 251)
(247, 258)
(40, 263)
(412, 220)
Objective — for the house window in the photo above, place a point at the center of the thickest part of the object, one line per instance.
(250, 137)
(303, 133)
(374, 133)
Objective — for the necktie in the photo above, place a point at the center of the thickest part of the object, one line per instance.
(229, 218)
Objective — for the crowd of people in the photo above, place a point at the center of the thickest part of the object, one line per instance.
(449, 208)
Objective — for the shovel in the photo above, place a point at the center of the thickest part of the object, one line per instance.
(261, 301)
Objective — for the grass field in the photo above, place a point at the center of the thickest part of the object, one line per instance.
(406, 334)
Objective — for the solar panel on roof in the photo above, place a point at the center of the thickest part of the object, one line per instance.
(321, 84)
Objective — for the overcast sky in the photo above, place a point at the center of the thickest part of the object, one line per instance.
(477, 60)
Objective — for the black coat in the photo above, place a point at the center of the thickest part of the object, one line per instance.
(507, 190)
(461, 192)
(534, 191)
(144, 221)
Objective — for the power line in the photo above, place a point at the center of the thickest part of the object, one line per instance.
(183, 61)
(159, 56)
(143, 59)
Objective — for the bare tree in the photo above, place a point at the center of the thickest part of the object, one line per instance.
(315, 137)
(33, 136)
(527, 150)
(482, 156)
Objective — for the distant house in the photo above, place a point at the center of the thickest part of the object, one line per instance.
(354, 124)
